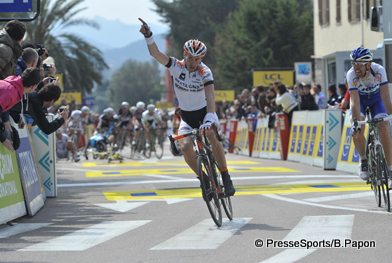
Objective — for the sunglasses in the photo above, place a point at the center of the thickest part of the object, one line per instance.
(358, 63)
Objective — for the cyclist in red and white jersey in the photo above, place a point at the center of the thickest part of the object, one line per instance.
(193, 84)
(368, 87)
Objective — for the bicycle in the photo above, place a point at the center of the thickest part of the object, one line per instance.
(378, 168)
(156, 144)
(139, 145)
(208, 170)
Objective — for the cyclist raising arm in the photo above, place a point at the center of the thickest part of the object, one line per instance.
(368, 87)
(194, 87)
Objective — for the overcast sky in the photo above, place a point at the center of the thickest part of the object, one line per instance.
(127, 11)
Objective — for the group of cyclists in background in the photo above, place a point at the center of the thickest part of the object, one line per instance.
(84, 130)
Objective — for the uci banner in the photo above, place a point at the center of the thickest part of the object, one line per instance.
(29, 173)
(12, 203)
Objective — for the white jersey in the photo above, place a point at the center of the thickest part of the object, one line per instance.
(189, 87)
(61, 144)
(77, 119)
(371, 85)
(156, 117)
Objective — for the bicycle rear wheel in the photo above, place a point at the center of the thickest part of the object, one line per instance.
(210, 195)
(382, 173)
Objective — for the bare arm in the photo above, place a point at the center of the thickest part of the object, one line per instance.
(386, 99)
(210, 97)
(355, 105)
(153, 48)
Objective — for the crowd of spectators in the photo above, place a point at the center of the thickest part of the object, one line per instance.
(261, 101)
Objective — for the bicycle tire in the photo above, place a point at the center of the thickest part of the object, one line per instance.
(158, 148)
(373, 180)
(382, 173)
(148, 150)
(225, 200)
(213, 204)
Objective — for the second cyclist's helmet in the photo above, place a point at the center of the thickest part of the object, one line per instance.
(195, 48)
(361, 53)
(109, 111)
(140, 105)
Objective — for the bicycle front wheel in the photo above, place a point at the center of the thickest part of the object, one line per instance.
(210, 195)
(382, 174)
(158, 148)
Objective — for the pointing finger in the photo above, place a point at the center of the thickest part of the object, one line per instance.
(141, 20)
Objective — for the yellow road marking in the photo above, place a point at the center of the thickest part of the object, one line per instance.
(168, 171)
(137, 163)
(240, 190)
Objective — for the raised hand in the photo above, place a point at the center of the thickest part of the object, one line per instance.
(145, 29)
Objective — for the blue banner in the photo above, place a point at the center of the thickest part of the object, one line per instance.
(17, 6)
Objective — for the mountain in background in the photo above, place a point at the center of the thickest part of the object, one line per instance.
(120, 42)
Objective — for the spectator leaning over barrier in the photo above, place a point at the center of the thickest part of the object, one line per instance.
(10, 47)
(11, 92)
(287, 100)
(333, 97)
(39, 101)
(320, 96)
(307, 100)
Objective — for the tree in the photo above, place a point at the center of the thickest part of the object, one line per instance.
(194, 20)
(78, 61)
(133, 82)
(262, 34)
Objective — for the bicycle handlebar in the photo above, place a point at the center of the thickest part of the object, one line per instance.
(373, 121)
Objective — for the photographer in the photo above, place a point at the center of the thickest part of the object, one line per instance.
(46, 70)
(40, 100)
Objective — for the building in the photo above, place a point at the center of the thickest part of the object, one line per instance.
(339, 27)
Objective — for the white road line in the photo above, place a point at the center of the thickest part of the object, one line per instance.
(163, 176)
(122, 206)
(8, 231)
(196, 180)
(338, 197)
(88, 237)
(285, 199)
(315, 228)
(204, 235)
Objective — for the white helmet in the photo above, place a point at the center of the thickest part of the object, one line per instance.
(195, 48)
(125, 104)
(150, 107)
(109, 111)
(140, 105)
(85, 110)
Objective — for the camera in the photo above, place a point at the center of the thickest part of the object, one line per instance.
(41, 51)
(51, 80)
(62, 108)
(46, 66)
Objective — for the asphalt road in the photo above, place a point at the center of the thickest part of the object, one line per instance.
(152, 211)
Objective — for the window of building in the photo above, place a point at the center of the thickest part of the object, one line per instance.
(354, 10)
(338, 12)
(323, 6)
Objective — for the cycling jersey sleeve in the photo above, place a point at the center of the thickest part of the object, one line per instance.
(169, 64)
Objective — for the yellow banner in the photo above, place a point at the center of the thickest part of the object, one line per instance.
(77, 96)
(224, 95)
(164, 105)
(266, 77)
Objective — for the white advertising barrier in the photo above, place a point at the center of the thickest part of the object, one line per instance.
(348, 158)
(311, 137)
(45, 148)
(266, 142)
(12, 204)
(332, 138)
(298, 125)
(29, 173)
(241, 138)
